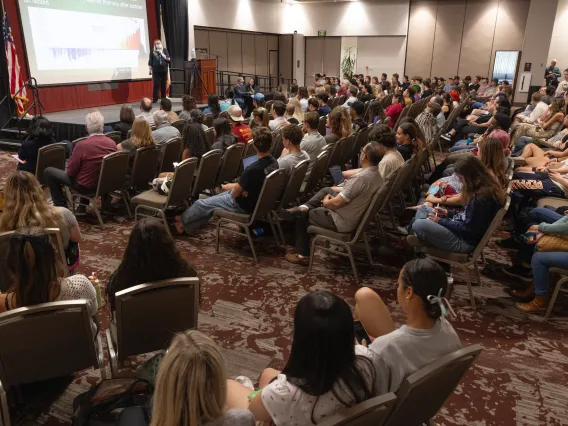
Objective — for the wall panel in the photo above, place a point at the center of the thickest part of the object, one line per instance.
(331, 55)
(421, 30)
(248, 53)
(234, 52)
(314, 57)
(447, 38)
(376, 55)
(261, 54)
(285, 49)
(201, 41)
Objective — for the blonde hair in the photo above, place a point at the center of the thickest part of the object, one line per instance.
(311, 91)
(346, 124)
(191, 385)
(142, 133)
(298, 111)
(25, 205)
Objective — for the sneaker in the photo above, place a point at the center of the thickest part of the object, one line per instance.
(508, 243)
(245, 381)
(519, 272)
(292, 214)
(447, 136)
(296, 259)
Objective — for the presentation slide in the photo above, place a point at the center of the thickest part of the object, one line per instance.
(79, 41)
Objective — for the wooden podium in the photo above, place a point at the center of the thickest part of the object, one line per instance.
(200, 76)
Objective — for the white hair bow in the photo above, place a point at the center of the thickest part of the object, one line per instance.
(443, 302)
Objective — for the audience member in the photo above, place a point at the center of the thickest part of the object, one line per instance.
(224, 137)
(563, 85)
(366, 93)
(84, 166)
(334, 124)
(292, 153)
(188, 104)
(408, 140)
(313, 106)
(146, 111)
(427, 121)
(303, 97)
(322, 375)
(151, 255)
(552, 73)
(166, 105)
(259, 118)
(426, 88)
(313, 142)
(195, 142)
(546, 126)
(40, 134)
(338, 209)
(241, 130)
(164, 130)
(240, 197)
(298, 110)
(290, 110)
(426, 337)
(141, 136)
(278, 111)
(213, 107)
(352, 97)
(393, 111)
(284, 90)
(323, 107)
(357, 111)
(126, 119)
(293, 90)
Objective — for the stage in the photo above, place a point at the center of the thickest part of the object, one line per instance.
(70, 125)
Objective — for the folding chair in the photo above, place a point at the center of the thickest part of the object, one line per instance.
(206, 173)
(317, 174)
(277, 146)
(171, 153)
(52, 155)
(116, 136)
(374, 411)
(6, 280)
(230, 163)
(210, 135)
(322, 125)
(563, 274)
(143, 171)
(180, 125)
(249, 149)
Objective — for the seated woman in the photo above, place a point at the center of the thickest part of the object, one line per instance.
(538, 160)
(188, 103)
(213, 107)
(196, 116)
(461, 232)
(127, 118)
(376, 113)
(426, 336)
(25, 205)
(151, 255)
(322, 375)
(195, 142)
(224, 137)
(196, 361)
(140, 137)
(38, 277)
(546, 126)
(41, 134)
(556, 142)
(298, 110)
(334, 123)
(393, 111)
(259, 118)
(408, 139)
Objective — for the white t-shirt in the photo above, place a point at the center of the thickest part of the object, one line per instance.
(304, 104)
(403, 352)
(392, 160)
(288, 405)
(276, 123)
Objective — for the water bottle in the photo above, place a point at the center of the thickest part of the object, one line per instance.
(96, 283)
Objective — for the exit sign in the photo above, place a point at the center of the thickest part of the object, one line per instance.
(321, 33)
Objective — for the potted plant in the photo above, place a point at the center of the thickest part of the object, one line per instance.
(348, 61)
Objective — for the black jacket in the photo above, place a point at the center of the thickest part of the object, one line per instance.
(158, 63)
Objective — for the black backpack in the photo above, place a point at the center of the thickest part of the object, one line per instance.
(104, 404)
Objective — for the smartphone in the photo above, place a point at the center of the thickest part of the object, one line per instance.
(361, 333)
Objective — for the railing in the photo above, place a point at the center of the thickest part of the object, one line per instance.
(227, 79)
(35, 104)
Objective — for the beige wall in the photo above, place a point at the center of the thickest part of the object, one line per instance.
(559, 41)
(446, 37)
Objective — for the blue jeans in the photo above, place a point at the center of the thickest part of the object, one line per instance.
(459, 145)
(202, 210)
(437, 235)
(520, 145)
(541, 261)
(537, 216)
(476, 105)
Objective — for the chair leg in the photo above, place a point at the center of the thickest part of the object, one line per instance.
(217, 232)
(477, 275)
(469, 287)
(93, 203)
(126, 199)
(273, 228)
(391, 211)
(552, 301)
(247, 231)
(367, 248)
(281, 233)
(112, 355)
(483, 258)
(352, 260)
(312, 253)
(165, 221)
(5, 409)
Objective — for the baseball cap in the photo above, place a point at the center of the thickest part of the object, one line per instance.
(358, 106)
(235, 112)
(259, 97)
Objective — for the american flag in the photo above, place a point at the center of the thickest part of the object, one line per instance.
(15, 76)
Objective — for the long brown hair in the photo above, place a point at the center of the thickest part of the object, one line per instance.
(335, 118)
(142, 133)
(261, 113)
(477, 181)
(34, 268)
(25, 205)
(346, 124)
(415, 134)
(492, 156)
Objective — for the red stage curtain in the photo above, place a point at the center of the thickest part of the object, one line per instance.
(62, 98)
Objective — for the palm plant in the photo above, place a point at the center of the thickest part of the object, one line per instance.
(348, 61)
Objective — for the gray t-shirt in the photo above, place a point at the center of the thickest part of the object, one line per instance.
(290, 161)
(234, 417)
(403, 352)
(164, 133)
(357, 193)
(312, 143)
(70, 221)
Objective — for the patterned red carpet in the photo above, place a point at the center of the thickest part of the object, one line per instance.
(520, 378)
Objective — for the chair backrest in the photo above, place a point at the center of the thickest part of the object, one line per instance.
(342, 100)
(403, 114)
(45, 341)
(149, 315)
(491, 229)
(337, 153)
(321, 125)
(57, 243)
(347, 149)
(361, 139)
(52, 155)
(230, 163)
(423, 393)
(208, 120)
(269, 106)
(294, 184)
(318, 172)
(207, 172)
(374, 411)
(180, 125)
(5, 276)
(113, 172)
(249, 149)
(277, 145)
(116, 136)
(210, 135)
(76, 141)
(386, 101)
(171, 153)
(271, 192)
(145, 167)
(402, 178)
(180, 191)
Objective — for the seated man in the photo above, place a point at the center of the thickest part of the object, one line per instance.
(146, 109)
(164, 130)
(337, 209)
(278, 112)
(324, 108)
(241, 130)
(239, 91)
(238, 197)
(313, 142)
(84, 166)
(357, 112)
(291, 154)
(166, 105)
(352, 96)
(313, 105)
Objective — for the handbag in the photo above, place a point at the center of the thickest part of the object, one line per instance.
(552, 243)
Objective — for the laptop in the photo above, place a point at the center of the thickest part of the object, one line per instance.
(336, 174)
(247, 161)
